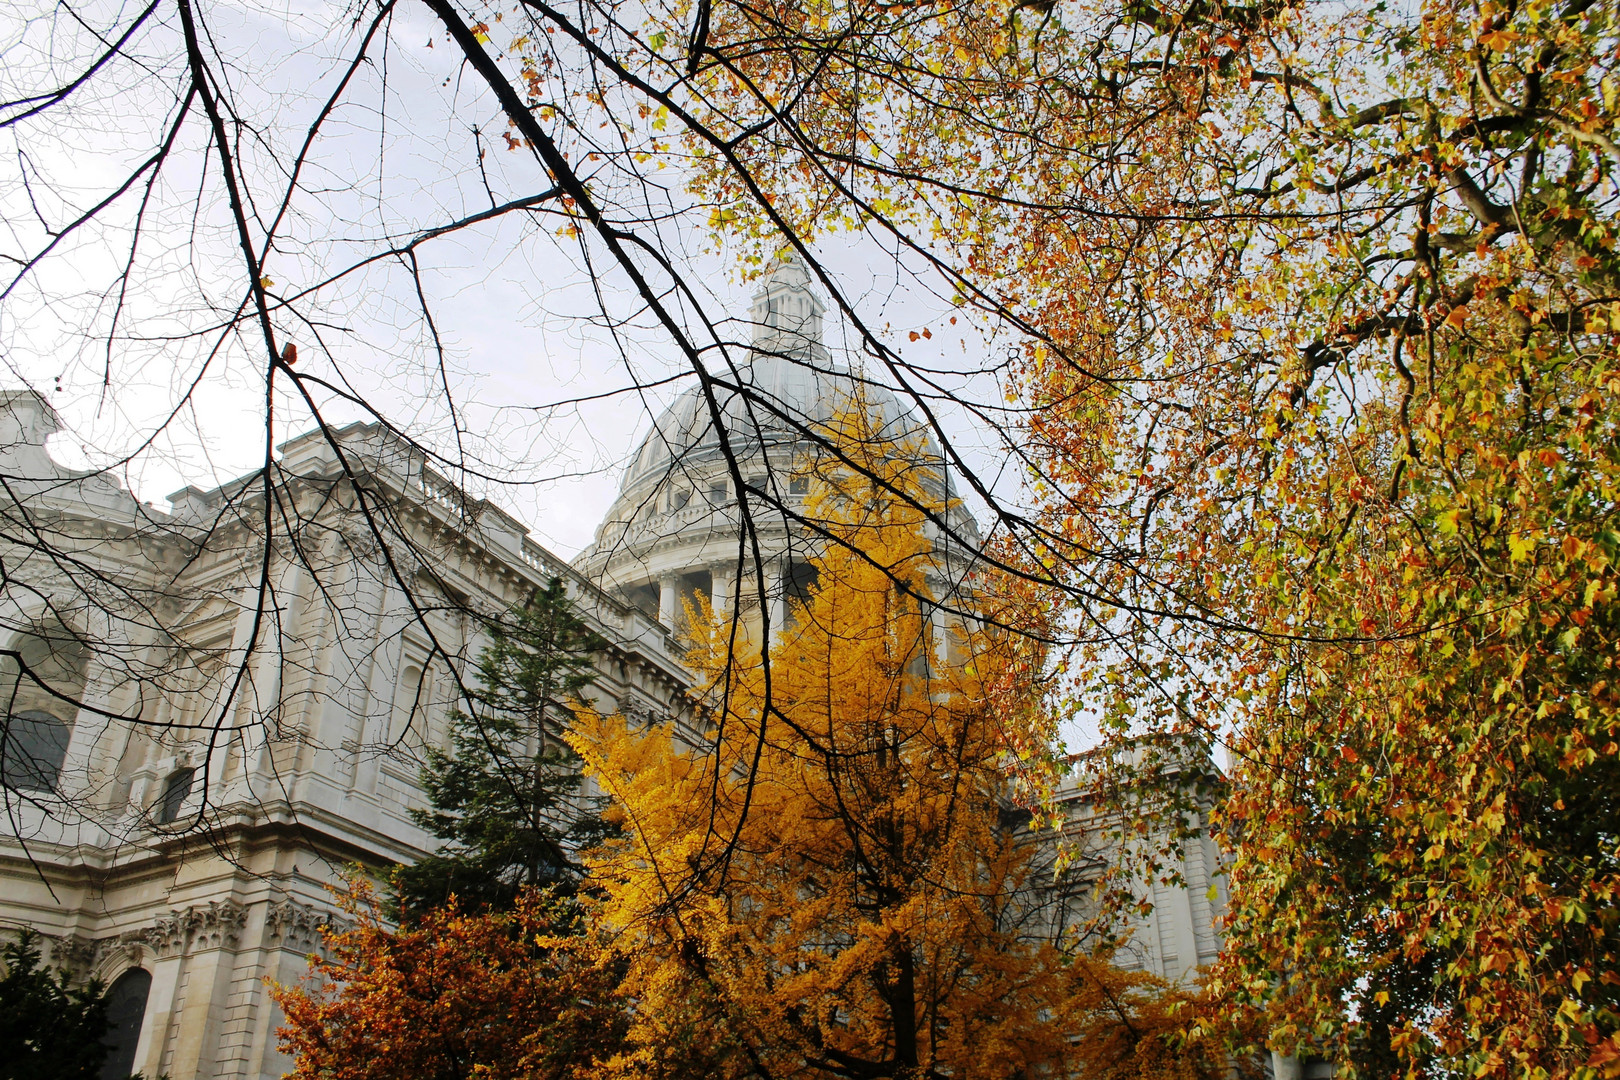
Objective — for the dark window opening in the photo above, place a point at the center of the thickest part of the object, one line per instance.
(642, 597)
(801, 579)
(175, 792)
(799, 485)
(126, 1008)
(33, 746)
(717, 494)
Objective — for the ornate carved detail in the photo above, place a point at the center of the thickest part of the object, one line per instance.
(298, 926)
(72, 952)
(640, 712)
(130, 942)
(216, 924)
(83, 958)
(360, 543)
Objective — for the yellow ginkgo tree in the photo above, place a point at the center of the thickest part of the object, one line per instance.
(832, 887)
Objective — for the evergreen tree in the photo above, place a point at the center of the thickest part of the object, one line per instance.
(48, 1029)
(506, 797)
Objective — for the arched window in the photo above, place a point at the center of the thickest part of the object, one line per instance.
(175, 791)
(42, 676)
(126, 1008)
(33, 746)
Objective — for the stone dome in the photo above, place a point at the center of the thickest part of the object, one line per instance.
(676, 526)
(786, 390)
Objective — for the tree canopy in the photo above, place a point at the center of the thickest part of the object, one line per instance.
(510, 995)
(1321, 378)
(50, 1029)
(834, 888)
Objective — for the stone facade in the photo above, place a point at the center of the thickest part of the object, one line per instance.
(221, 769)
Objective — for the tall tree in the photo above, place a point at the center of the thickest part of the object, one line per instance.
(1322, 378)
(506, 798)
(831, 889)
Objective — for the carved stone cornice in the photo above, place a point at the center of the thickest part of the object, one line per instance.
(299, 927)
(131, 943)
(72, 952)
(214, 925)
(640, 711)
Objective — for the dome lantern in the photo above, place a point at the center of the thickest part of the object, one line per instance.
(786, 312)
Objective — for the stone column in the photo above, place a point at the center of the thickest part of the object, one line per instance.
(281, 648)
(81, 772)
(780, 577)
(1285, 1068)
(162, 1008)
(720, 586)
(668, 597)
(385, 649)
(191, 985)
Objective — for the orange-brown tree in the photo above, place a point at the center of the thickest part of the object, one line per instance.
(504, 995)
(1320, 304)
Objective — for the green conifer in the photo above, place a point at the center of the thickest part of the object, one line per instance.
(49, 1029)
(506, 797)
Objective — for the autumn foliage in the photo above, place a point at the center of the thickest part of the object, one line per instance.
(831, 888)
(1317, 310)
(1319, 305)
(828, 886)
(453, 996)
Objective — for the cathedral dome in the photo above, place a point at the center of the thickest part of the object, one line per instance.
(676, 527)
(772, 403)
(783, 394)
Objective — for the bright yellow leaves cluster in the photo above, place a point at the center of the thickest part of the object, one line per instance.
(832, 883)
